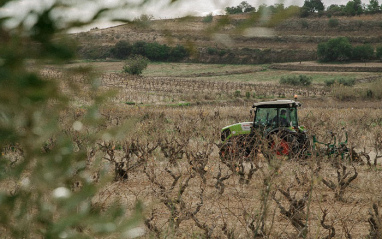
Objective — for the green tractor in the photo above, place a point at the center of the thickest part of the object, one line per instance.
(274, 131)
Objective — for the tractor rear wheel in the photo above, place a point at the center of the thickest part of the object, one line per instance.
(286, 144)
(280, 148)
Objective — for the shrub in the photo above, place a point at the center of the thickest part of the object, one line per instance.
(305, 80)
(341, 81)
(363, 52)
(222, 52)
(139, 48)
(291, 80)
(121, 50)
(135, 65)
(329, 82)
(94, 52)
(333, 22)
(178, 53)
(346, 82)
(336, 49)
(301, 80)
(208, 18)
(157, 52)
(143, 21)
(373, 91)
(304, 24)
(343, 93)
(212, 51)
(237, 93)
(379, 53)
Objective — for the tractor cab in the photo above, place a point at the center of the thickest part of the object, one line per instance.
(276, 115)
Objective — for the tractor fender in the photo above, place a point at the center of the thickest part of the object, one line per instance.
(281, 131)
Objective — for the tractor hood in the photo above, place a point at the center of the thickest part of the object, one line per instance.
(236, 129)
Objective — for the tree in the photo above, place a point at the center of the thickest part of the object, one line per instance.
(373, 6)
(353, 8)
(304, 12)
(336, 49)
(279, 7)
(313, 6)
(242, 7)
(363, 52)
(336, 10)
(246, 7)
(233, 10)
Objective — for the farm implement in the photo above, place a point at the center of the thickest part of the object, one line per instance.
(334, 148)
(275, 130)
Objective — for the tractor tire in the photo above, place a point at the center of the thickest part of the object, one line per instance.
(288, 144)
(235, 148)
(280, 147)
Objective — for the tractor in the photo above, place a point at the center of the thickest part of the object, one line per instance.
(274, 131)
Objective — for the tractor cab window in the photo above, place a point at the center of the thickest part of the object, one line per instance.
(293, 117)
(276, 117)
(265, 117)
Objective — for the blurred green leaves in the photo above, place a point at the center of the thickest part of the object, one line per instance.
(46, 185)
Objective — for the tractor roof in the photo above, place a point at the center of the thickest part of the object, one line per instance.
(277, 104)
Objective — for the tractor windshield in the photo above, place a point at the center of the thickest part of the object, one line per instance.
(276, 117)
(265, 116)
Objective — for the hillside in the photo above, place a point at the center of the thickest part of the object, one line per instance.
(240, 38)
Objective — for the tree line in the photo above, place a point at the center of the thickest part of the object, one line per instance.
(340, 49)
(153, 51)
(310, 7)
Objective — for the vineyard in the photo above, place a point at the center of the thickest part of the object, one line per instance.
(212, 85)
(164, 155)
(90, 152)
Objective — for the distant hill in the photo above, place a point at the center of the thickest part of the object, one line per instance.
(237, 38)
